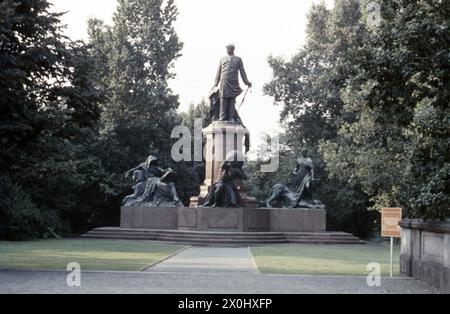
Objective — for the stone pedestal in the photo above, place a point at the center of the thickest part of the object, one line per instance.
(221, 139)
(148, 218)
(224, 219)
(293, 220)
(251, 220)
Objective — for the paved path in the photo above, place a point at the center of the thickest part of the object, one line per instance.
(201, 271)
(198, 283)
(209, 260)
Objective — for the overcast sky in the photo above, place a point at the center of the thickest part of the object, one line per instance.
(258, 28)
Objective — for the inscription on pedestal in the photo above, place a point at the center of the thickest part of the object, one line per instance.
(222, 219)
(295, 220)
(187, 218)
(149, 218)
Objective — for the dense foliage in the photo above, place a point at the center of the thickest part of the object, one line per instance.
(134, 58)
(192, 173)
(308, 89)
(397, 147)
(371, 102)
(74, 117)
(48, 124)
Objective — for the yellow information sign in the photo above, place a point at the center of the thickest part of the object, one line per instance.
(390, 219)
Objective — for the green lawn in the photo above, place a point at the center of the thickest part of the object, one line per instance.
(134, 256)
(90, 254)
(343, 260)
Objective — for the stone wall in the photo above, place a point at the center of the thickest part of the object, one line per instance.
(224, 219)
(425, 252)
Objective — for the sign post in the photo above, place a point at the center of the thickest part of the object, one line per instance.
(390, 219)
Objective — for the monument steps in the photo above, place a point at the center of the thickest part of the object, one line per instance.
(222, 238)
(163, 236)
(198, 241)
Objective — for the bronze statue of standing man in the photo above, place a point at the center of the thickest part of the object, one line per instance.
(227, 80)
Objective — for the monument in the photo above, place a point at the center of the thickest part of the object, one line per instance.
(223, 213)
(227, 132)
(223, 204)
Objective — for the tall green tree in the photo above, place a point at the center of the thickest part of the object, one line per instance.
(192, 173)
(308, 88)
(134, 59)
(49, 118)
(397, 146)
(260, 183)
(194, 112)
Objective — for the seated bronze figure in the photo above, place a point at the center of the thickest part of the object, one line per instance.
(154, 186)
(224, 192)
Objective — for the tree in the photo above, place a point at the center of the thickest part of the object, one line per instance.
(260, 183)
(134, 59)
(308, 87)
(396, 148)
(200, 111)
(427, 182)
(192, 173)
(49, 118)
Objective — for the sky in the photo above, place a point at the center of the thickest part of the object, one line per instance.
(258, 28)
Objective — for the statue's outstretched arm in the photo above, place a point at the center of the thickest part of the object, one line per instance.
(162, 171)
(244, 74)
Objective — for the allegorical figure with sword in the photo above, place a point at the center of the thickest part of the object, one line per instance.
(227, 87)
(283, 196)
